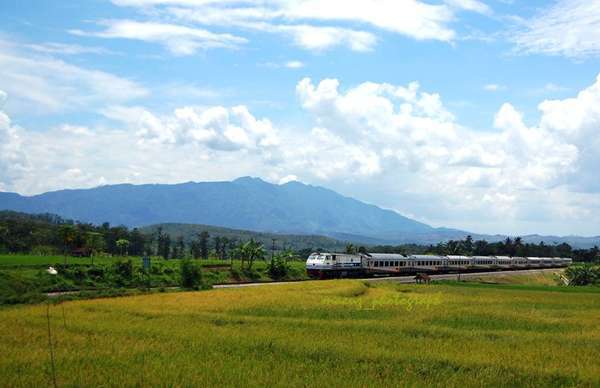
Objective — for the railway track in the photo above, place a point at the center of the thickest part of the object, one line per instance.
(406, 279)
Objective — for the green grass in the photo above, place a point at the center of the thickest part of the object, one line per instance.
(24, 279)
(14, 260)
(323, 333)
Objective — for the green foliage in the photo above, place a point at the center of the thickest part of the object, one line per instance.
(278, 267)
(251, 251)
(583, 275)
(307, 243)
(191, 274)
(123, 246)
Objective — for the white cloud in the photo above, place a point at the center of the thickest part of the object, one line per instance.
(67, 49)
(493, 87)
(216, 128)
(470, 5)
(287, 179)
(322, 24)
(395, 138)
(53, 85)
(294, 64)
(180, 40)
(567, 27)
(13, 160)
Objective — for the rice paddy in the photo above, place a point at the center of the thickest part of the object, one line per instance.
(321, 333)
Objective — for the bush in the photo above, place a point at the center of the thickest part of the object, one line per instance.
(583, 275)
(124, 269)
(191, 274)
(278, 268)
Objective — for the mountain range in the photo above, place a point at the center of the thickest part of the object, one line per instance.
(250, 204)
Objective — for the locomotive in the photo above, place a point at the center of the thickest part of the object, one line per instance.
(328, 265)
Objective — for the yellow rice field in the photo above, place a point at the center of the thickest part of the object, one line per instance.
(322, 333)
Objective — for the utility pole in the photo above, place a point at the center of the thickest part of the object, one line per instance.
(273, 248)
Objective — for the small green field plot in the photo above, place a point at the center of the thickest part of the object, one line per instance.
(16, 260)
(321, 333)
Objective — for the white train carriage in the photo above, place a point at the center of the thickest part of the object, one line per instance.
(519, 262)
(429, 263)
(547, 261)
(565, 261)
(503, 262)
(483, 262)
(534, 262)
(459, 263)
(389, 263)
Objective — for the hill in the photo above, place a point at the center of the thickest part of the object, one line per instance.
(292, 241)
(245, 203)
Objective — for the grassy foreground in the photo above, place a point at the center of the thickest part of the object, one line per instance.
(341, 333)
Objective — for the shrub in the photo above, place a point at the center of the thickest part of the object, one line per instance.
(191, 274)
(583, 275)
(278, 268)
(124, 269)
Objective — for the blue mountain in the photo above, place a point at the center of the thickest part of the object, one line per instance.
(245, 203)
(249, 204)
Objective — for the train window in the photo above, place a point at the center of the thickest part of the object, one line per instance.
(376, 264)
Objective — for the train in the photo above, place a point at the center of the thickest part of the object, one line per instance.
(325, 265)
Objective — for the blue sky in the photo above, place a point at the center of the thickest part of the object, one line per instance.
(480, 115)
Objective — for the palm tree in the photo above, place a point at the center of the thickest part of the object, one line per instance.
(123, 246)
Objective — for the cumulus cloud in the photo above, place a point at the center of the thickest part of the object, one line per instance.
(217, 128)
(367, 140)
(13, 160)
(568, 27)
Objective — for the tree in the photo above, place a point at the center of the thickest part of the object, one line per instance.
(224, 247)
(278, 267)
(67, 235)
(251, 251)
(203, 244)
(195, 249)
(123, 246)
(468, 245)
(179, 248)
(163, 243)
(137, 242)
(191, 274)
(350, 249)
(481, 248)
(94, 241)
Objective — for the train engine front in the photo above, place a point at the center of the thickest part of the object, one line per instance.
(329, 265)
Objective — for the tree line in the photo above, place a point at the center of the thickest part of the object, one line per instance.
(508, 247)
(51, 234)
